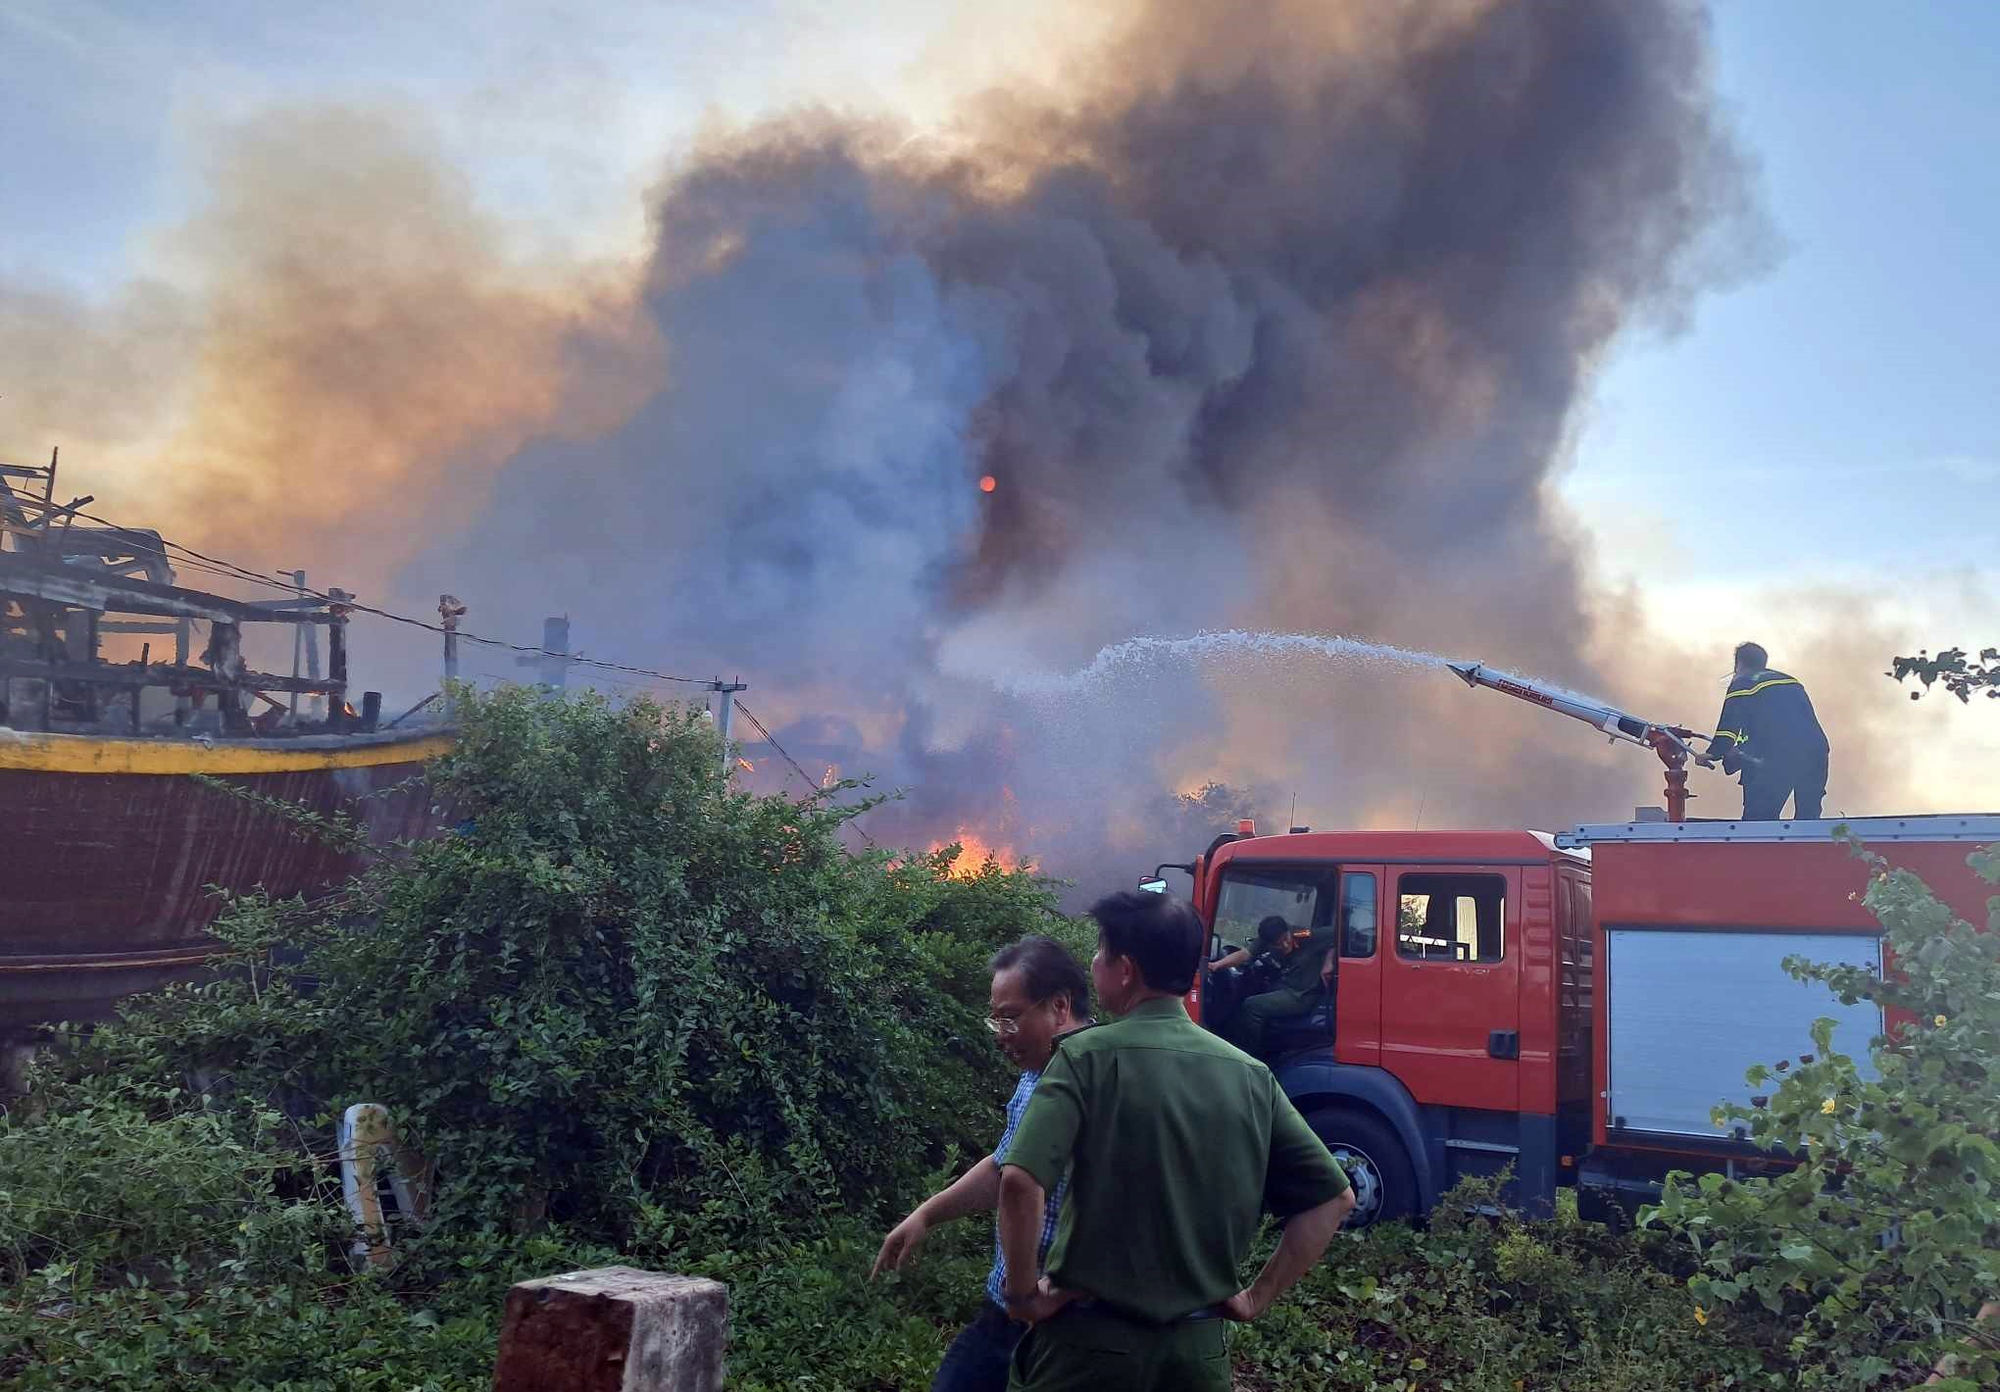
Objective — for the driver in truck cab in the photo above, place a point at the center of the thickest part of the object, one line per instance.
(1304, 954)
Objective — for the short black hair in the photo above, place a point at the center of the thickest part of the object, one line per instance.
(1751, 657)
(1047, 970)
(1157, 931)
(1272, 928)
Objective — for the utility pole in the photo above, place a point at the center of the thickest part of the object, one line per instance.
(298, 644)
(552, 661)
(727, 690)
(450, 611)
(555, 639)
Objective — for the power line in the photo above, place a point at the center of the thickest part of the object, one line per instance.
(229, 569)
(772, 740)
(804, 777)
(283, 582)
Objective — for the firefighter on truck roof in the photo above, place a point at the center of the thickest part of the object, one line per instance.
(1768, 732)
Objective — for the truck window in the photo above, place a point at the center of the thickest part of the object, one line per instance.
(1357, 915)
(1452, 918)
(1248, 896)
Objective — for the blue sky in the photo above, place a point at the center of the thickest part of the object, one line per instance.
(1844, 404)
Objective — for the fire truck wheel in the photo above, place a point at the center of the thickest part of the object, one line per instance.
(1595, 1206)
(1376, 1165)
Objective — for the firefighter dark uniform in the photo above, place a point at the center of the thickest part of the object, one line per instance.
(1768, 730)
(1174, 1143)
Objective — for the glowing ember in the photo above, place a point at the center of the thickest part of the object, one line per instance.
(987, 483)
(974, 854)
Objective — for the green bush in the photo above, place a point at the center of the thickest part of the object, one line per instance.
(622, 1003)
(1485, 1304)
(633, 1015)
(620, 986)
(1867, 1260)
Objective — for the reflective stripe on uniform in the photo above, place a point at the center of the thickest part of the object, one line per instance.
(1753, 690)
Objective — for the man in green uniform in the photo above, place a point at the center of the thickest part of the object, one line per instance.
(1174, 1143)
(1302, 961)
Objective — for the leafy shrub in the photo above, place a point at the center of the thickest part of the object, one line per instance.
(621, 984)
(622, 1003)
(1872, 1256)
(1479, 1303)
(633, 1015)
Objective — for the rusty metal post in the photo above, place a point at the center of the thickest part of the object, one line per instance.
(614, 1329)
(1675, 758)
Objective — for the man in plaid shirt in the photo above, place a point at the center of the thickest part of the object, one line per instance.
(1039, 993)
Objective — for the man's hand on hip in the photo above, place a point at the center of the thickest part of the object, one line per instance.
(1241, 1307)
(1039, 1304)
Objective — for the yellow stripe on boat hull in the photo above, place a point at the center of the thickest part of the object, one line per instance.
(51, 753)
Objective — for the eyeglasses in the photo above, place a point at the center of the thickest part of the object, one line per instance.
(1004, 1025)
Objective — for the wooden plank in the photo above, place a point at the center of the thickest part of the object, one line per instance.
(160, 674)
(110, 594)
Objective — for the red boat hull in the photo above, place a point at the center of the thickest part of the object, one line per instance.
(110, 852)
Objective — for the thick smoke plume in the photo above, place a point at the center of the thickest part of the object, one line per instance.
(1266, 316)
(1278, 319)
(336, 355)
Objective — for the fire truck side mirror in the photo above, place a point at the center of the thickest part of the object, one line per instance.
(1153, 886)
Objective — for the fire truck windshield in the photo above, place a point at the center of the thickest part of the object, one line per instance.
(1302, 896)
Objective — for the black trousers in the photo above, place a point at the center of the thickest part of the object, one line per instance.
(1766, 787)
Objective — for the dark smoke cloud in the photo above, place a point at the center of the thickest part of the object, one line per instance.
(1279, 318)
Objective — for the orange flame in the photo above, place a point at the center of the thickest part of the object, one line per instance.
(975, 852)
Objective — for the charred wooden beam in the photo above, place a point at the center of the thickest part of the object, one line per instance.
(162, 674)
(67, 585)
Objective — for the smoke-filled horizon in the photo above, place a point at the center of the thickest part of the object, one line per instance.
(1265, 317)
(1272, 318)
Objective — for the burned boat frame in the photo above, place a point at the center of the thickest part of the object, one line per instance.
(64, 587)
(114, 836)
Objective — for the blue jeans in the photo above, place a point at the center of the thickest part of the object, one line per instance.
(977, 1359)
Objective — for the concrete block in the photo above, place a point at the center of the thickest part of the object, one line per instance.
(614, 1329)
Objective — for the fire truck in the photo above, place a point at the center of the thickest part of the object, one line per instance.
(1571, 1006)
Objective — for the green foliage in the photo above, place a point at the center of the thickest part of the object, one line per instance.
(623, 1003)
(620, 978)
(1870, 1257)
(1960, 677)
(1187, 822)
(1487, 1304)
(633, 1015)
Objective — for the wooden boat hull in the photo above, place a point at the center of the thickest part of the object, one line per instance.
(109, 849)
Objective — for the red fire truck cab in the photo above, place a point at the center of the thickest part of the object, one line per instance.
(1573, 1006)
